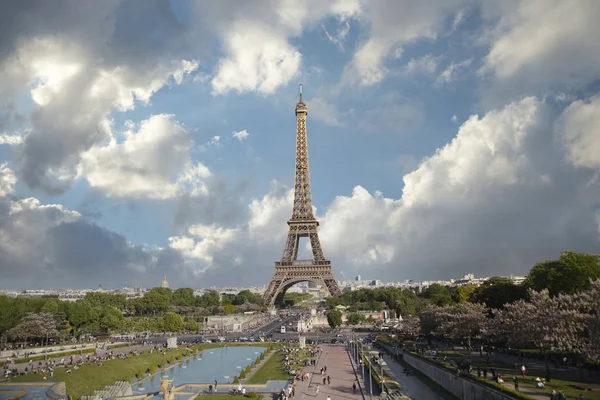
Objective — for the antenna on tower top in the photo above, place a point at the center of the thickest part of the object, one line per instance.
(300, 93)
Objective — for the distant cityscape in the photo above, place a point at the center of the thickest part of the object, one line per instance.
(304, 287)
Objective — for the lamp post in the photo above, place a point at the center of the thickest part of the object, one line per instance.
(370, 382)
(362, 364)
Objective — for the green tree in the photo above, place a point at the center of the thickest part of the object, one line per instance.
(228, 309)
(192, 326)
(184, 297)
(571, 273)
(111, 319)
(100, 300)
(79, 314)
(172, 322)
(51, 307)
(209, 299)
(157, 300)
(334, 318)
(464, 293)
(498, 291)
(438, 294)
(355, 319)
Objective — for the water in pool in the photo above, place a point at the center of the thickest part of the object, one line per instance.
(221, 364)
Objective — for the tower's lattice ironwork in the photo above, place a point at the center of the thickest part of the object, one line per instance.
(303, 223)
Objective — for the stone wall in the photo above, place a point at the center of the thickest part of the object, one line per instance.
(462, 388)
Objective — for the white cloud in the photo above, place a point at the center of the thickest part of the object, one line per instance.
(453, 71)
(392, 25)
(153, 162)
(258, 60)
(7, 180)
(11, 140)
(579, 129)
(324, 111)
(76, 80)
(256, 39)
(540, 44)
(241, 135)
(339, 38)
(424, 65)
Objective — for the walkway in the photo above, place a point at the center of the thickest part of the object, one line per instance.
(339, 369)
(412, 386)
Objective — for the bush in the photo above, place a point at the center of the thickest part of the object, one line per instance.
(236, 379)
(242, 375)
(172, 360)
(248, 369)
(252, 395)
(139, 374)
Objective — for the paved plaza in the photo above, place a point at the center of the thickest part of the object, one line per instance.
(339, 369)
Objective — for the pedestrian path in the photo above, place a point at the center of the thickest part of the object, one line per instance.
(411, 385)
(339, 369)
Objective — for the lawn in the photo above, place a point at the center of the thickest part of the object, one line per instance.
(527, 384)
(273, 370)
(65, 354)
(91, 377)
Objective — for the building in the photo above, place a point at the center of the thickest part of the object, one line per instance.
(164, 283)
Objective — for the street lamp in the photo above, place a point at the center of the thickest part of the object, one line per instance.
(370, 382)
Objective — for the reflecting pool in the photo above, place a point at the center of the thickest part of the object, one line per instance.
(221, 364)
(33, 392)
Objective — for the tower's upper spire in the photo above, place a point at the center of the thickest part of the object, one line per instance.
(301, 107)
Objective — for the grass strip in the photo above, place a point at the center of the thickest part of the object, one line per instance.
(88, 378)
(64, 354)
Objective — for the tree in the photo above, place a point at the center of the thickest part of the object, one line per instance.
(571, 273)
(100, 300)
(172, 322)
(50, 307)
(354, 319)
(410, 326)
(111, 319)
(457, 322)
(497, 291)
(465, 293)
(524, 323)
(334, 318)
(157, 300)
(80, 313)
(184, 297)
(438, 294)
(35, 326)
(209, 299)
(228, 309)
(463, 320)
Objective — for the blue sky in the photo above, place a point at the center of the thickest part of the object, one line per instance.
(444, 137)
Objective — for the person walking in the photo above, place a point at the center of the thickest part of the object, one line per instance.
(516, 381)
(354, 387)
(317, 391)
(328, 380)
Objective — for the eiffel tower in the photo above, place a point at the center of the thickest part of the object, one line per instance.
(303, 223)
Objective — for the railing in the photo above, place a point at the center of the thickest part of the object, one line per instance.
(302, 263)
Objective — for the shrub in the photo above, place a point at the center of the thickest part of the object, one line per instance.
(242, 375)
(172, 360)
(139, 374)
(248, 369)
(252, 395)
(236, 379)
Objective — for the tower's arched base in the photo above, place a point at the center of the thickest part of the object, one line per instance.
(287, 276)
